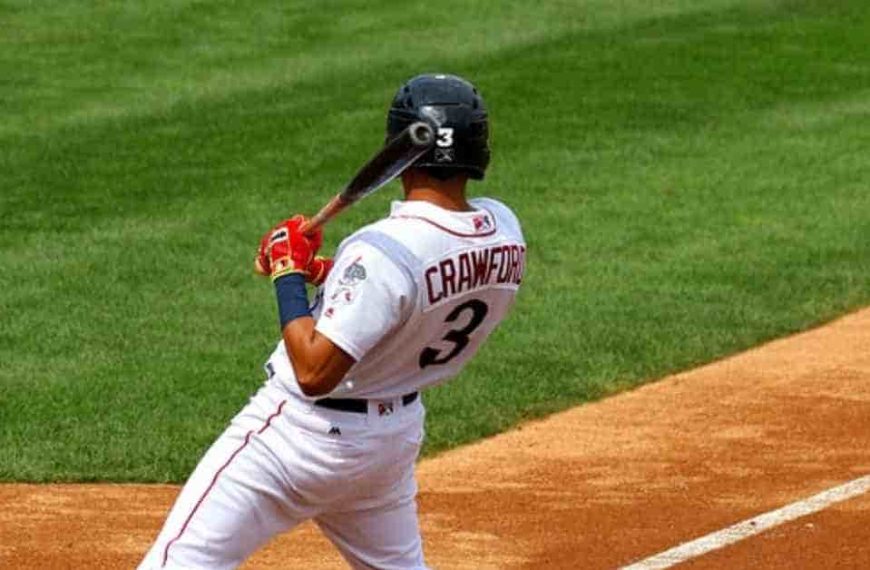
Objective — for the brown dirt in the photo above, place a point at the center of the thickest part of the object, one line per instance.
(595, 487)
(838, 537)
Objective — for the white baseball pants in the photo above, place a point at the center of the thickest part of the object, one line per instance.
(282, 461)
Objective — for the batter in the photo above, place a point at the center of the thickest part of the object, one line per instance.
(334, 432)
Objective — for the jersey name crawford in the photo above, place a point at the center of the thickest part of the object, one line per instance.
(501, 265)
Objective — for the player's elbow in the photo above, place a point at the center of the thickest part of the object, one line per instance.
(320, 380)
(314, 385)
(319, 365)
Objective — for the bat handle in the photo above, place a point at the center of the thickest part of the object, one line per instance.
(329, 211)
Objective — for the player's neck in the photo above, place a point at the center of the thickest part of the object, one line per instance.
(447, 194)
(439, 198)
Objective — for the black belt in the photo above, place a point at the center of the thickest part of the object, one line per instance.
(356, 405)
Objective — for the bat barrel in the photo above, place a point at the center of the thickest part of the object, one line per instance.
(389, 162)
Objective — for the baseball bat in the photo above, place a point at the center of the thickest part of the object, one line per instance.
(397, 155)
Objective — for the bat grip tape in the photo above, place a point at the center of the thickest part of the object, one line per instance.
(292, 298)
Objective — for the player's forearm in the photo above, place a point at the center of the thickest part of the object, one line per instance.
(319, 365)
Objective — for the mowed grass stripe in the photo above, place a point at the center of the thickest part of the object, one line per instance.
(75, 62)
(690, 184)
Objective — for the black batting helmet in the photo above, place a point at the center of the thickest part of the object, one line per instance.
(456, 111)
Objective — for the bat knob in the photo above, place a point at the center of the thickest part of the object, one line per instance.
(421, 134)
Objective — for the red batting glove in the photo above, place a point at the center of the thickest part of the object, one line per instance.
(318, 270)
(285, 249)
(261, 261)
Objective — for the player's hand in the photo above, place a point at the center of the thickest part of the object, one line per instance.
(285, 249)
(318, 270)
(261, 260)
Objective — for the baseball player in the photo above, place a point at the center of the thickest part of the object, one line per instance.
(334, 432)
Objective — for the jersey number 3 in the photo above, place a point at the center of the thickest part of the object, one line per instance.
(459, 337)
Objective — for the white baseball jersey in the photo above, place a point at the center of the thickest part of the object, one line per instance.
(413, 296)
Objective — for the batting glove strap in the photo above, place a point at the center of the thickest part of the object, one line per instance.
(285, 266)
(292, 297)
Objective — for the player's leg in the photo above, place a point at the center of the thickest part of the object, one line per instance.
(234, 501)
(386, 538)
(378, 528)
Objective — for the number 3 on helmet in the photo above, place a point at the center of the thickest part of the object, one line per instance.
(456, 111)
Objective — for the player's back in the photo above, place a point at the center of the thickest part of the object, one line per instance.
(451, 277)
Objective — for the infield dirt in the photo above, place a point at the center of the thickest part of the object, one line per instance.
(598, 486)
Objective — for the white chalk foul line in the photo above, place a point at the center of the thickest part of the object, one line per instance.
(749, 527)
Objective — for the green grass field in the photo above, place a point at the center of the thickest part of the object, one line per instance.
(692, 178)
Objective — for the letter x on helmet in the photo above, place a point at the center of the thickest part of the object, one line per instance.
(456, 111)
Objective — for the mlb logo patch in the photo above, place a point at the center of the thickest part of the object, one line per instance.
(482, 223)
(385, 408)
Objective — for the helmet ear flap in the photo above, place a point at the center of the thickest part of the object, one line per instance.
(455, 109)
